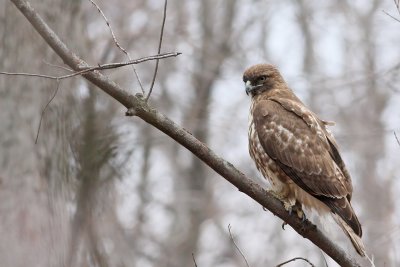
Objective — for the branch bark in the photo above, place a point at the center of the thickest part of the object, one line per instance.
(137, 106)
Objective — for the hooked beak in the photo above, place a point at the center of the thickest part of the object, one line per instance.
(250, 87)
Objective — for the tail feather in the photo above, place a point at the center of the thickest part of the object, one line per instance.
(343, 208)
(345, 216)
(355, 239)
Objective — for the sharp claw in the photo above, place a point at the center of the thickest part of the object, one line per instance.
(290, 210)
(301, 215)
(303, 218)
(283, 225)
(298, 210)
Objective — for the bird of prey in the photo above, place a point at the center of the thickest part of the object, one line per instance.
(295, 151)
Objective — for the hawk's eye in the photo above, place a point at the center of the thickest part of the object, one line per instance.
(262, 79)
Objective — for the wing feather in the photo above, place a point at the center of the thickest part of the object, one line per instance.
(323, 133)
(300, 147)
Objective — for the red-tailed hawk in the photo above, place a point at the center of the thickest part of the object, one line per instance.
(293, 149)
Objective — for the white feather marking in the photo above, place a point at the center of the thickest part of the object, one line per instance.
(283, 130)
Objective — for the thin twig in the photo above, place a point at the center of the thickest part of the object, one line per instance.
(159, 50)
(297, 258)
(117, 43)
(397, 139)
(29, 75)
(391, 16)
(194, 260)
(397, 4)
(44, 110)
(361, 79)
(93, 68)
(234, 243)
(323, 256)
(57, 66)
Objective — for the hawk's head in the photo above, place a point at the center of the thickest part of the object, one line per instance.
(260, 78)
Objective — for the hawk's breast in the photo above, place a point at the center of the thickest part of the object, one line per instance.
(281, 184)
(266, 165)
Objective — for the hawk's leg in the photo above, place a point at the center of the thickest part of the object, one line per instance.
(296, 207)
(290, 205)
(299, 211)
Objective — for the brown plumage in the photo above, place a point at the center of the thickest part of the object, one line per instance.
(293, 149)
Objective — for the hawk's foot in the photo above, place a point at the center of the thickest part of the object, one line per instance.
(297, 209)
(290, 205)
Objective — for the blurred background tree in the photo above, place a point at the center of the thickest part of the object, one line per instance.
(102, 190)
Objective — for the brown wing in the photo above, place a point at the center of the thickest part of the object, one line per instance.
(319, 126)
(299, 145)
(299, 150)
(338, 159)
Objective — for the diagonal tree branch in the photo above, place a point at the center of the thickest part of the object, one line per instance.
(137, 106)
